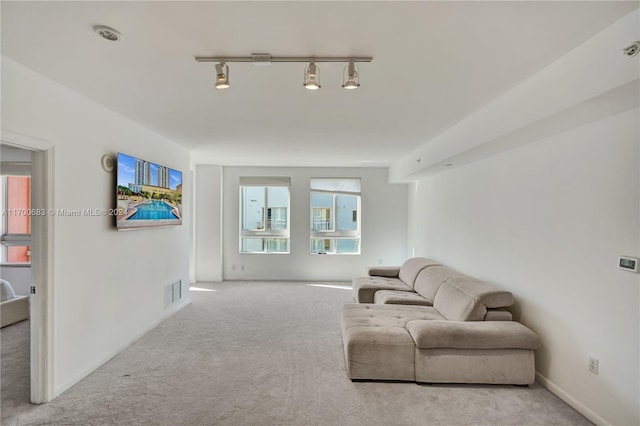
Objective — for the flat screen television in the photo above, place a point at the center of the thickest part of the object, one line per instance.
(149, 195)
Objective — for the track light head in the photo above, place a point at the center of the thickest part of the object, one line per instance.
(312, 77)
(222, 76)
(350, 84)
(351, 75)
(352, 80)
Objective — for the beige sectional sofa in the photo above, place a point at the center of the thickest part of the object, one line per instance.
(426, 322)
(12, 308)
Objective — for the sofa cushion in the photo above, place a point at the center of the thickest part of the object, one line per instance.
(369, 315)
(394, 297)
(376, 342)
(467, 299)
(430, 279)
(364, 288)
(412, 267)
(457, 305)
(490, 295)
(472, 335)
(384, 271)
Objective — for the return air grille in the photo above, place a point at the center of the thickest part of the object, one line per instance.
(172, 293)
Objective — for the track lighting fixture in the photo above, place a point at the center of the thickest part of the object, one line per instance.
(353, 80)
(311, 77)
(351, 74)
(222, 76)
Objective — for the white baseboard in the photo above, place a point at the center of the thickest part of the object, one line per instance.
(85, 372)
(580, 407)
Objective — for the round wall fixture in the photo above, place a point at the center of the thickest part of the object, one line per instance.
(107, 163)
(632, 49)
(107, 33)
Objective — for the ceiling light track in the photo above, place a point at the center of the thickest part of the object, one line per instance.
(261, 58)
(311, 71)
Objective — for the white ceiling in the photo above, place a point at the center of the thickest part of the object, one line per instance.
(434, 64)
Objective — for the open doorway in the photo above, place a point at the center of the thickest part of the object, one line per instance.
(26, 166)
(15, 275)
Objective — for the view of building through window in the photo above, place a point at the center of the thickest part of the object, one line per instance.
(335, 226)
(16, 224)
(265, 215)
(264, 225)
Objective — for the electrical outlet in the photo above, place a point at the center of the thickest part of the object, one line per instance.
(242, 267)
(593, 365)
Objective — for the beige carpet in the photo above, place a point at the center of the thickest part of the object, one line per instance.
(14, 374)
(269, 353)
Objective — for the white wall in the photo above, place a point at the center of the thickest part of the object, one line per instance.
(547, 221)
(208, 218)
(384, 227)
(591, 82)
(107, 285)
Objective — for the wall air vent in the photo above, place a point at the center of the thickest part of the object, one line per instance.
(172, 293)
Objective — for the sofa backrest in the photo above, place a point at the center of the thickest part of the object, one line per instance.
(6, 291)
(430, 279)
(412, 267)
(467, 299)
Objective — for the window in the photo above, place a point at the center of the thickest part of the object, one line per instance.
(264, 214)
(16, 220)
(335, 221)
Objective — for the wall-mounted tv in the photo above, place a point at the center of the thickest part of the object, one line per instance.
(149, 195)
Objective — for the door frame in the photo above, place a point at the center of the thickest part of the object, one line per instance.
(42, 226)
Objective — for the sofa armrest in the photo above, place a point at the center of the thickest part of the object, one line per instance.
(384, 271)
(472, 335)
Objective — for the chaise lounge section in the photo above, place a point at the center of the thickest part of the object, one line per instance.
(459, 333)
(13, 308)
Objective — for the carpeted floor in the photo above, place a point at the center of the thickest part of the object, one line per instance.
(268, 353)
(14, 372)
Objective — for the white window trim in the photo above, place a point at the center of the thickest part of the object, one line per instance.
(8, 240)
(266, 232)
(334, 234)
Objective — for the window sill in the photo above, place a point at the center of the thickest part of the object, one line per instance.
(337, 254)
(263, 252)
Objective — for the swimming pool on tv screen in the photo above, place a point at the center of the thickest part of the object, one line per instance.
(154, 210)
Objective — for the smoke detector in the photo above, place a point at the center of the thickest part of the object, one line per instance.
(632, 49)
(107, 33)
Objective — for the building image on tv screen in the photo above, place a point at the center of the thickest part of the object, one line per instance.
(149, 195)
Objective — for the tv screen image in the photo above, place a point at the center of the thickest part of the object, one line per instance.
(149, 195)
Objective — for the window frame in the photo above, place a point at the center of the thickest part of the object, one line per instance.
(265, 233)
(6, 239)
(334, 234)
